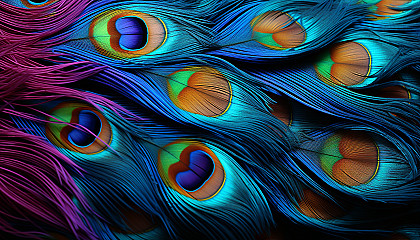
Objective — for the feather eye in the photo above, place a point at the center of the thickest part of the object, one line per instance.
(316, 206)
(274, 30)
(192, 169)
(351, 158)
(361, 163)
(396, 91)
(277, 30)
(345, 63)
(135, 35)
(385, 8)
(126, 33)
(355, 62)
(36, 3)
(200, 90)
(78, 127)
(136, 224)
(281, 109)
(30, 3)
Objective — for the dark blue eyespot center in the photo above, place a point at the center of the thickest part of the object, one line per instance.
(37, 2)
(201, 168)
(133, 32)
(90, 121)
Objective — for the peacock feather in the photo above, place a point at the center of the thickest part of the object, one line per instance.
(209, 119)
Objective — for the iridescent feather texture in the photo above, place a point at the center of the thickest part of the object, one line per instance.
(209, 119)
